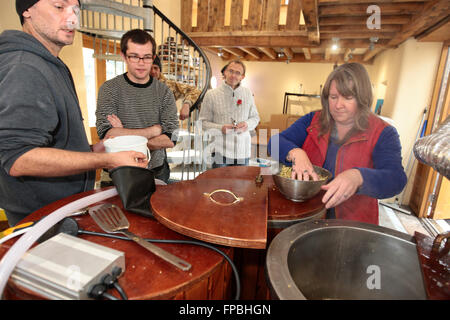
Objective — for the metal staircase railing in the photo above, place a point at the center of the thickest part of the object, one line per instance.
(182, 60)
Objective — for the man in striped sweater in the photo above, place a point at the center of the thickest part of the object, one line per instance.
(228, 114)
(142, 105)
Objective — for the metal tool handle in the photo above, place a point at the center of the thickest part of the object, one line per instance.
(163, 254)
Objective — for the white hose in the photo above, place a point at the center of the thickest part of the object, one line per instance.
(15, 253)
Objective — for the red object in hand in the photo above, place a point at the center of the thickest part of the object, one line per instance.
(239, 102)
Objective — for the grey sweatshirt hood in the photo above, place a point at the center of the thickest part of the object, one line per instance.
(15, 40)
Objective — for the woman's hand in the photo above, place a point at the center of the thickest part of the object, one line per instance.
(342, 187)
(302, 168)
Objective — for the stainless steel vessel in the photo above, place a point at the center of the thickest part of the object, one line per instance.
(340, 259)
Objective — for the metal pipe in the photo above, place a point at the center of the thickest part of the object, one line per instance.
(148, 20)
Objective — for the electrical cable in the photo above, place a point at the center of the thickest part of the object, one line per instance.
(120, 290)
(109, 296)
(111, 281)
(98, 291)
(108, 281)
(72, 228)
(198, 243)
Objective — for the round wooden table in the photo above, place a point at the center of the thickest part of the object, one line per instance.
(147, 276)
(281, 214)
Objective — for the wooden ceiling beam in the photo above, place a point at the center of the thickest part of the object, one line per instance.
(266, 41)
(290, 43)
(318, 58)
(215, 51)
(433, 12)
(439, 32)
(250, 33)
(356, 43)
(251, 51)
(361, 9)
(358, 35)
(325, 2)
(352, 28)
(288, 52)
(269, 52)
(311, 16)
(361, 21)
(235, 51)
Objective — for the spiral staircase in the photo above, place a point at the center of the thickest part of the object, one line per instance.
(105, 21)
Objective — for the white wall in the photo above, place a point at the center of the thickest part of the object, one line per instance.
(409, 73)
(270, 80)
(171, 9)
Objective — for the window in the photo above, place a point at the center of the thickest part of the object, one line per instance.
(114, 68)
(89, 76)
(96, 72)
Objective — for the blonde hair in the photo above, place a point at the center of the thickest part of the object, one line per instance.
(351, 79)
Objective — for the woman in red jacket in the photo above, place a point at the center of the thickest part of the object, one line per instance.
(362, 151)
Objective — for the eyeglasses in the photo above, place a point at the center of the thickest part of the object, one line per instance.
(136, 59)
(238, 73)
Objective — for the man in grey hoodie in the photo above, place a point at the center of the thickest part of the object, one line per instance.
(44, 151)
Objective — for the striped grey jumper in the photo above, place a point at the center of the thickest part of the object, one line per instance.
(137, 106)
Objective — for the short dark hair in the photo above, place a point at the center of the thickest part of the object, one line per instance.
(237, 61)
(138, 36)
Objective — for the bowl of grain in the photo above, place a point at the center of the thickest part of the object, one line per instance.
(299, 190)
